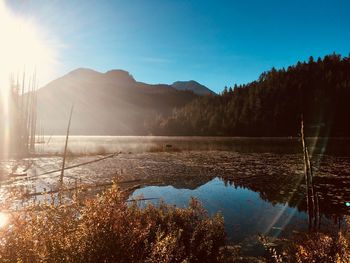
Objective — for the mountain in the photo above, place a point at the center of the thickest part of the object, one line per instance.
(111, 103)
(318, 90)
(194, 86)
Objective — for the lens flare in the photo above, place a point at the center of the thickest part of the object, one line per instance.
(23, 44)
(23, 48)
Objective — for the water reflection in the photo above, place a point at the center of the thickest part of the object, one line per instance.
(246, 214)
(253, 206)
(333, 193)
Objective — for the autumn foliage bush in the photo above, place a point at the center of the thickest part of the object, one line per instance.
(108, 229)
(320, 247)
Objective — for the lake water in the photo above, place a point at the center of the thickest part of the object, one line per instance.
(256, 183)
(246, 213)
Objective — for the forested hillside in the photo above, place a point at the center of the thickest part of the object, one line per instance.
(273, 104)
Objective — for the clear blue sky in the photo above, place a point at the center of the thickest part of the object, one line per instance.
(217, 43)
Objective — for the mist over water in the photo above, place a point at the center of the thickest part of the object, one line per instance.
(91, 145)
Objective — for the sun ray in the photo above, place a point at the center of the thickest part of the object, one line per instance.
(23, 47)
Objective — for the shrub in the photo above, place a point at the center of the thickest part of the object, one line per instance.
(319, 247)
(108, 229)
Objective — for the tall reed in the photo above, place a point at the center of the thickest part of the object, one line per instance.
(21, 103)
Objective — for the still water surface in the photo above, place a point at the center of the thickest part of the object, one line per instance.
(245, 213)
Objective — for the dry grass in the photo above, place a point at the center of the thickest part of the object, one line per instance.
(318, 247)
(107, 229)
(313, 247)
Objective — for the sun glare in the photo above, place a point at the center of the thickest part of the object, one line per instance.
(23, 46)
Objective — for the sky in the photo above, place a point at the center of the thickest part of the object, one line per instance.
(217, 43)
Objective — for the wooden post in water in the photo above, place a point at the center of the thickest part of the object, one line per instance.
(65, 147)
(310, 195)
(317, 204)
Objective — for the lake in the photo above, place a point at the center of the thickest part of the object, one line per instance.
(256, 183)
(246, 214)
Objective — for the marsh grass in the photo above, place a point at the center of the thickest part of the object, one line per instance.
(108, 229)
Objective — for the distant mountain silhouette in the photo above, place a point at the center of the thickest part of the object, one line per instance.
(110, 103)
(194, 86)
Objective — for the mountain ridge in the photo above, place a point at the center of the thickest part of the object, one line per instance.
(120, 74)
(193, 86)
(110, 103)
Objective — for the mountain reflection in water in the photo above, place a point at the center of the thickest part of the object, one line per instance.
(256, 204)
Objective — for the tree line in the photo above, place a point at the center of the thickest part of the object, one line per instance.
(318, 90)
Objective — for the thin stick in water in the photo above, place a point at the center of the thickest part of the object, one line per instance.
(65, 146)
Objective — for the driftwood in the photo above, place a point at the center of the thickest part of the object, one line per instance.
(77, 165)
(81, 164)
(21, 178)
(18, 174)
(83, 187)
(142, 199)
(41, 208)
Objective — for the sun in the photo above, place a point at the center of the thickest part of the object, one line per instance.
(25, 50)
(23, 46)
